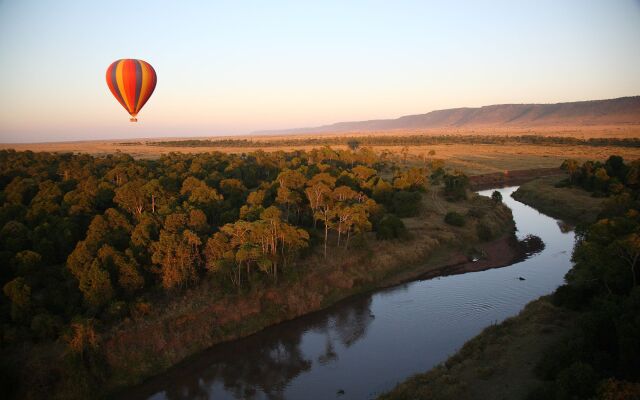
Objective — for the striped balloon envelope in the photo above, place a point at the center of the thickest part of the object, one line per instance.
(132, 82)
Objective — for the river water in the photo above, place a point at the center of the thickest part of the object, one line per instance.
(365, 345)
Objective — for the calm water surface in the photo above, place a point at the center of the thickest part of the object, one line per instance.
(366, 345)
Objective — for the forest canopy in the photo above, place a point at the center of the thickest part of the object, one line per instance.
(85, 237)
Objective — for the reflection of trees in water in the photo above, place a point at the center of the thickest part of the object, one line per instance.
(265, 363)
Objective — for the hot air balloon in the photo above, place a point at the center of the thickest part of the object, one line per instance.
(132, 82)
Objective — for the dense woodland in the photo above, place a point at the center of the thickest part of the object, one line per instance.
(91, 240)
(400, 140)
(602, 357)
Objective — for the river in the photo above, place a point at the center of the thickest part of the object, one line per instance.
(365, 345)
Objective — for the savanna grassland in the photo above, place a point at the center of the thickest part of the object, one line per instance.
(476, 151)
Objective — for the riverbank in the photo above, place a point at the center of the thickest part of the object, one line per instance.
(500, 361)
(573, 205)
(142, 348)
(496, 364)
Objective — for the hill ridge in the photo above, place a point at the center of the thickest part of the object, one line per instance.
(621, 110)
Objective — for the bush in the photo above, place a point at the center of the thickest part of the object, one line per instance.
(406, 204)
(576, 382)
(455, 187)
(572, 297)
(455, 219)
(496, 196)
(391, 227)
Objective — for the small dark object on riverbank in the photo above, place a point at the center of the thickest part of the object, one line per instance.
(340, 392)
(521, 278)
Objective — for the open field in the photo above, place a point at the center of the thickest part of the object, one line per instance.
(470, 158)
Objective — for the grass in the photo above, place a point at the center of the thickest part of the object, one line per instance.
(573, 205)
(496, 364)
(472, 159)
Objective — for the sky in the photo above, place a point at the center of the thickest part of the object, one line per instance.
(233, 67)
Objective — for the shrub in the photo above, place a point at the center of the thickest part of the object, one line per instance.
(496, 196)
(406, 204)
(391, 227)
(576, 382)
(455, 219)
(455, 186)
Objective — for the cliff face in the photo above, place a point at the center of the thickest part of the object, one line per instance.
(623, 110)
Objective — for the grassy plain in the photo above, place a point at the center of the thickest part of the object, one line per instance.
(470, 158)
(571, 204)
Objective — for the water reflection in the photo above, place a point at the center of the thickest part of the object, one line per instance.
(261, 366)
(365, 345)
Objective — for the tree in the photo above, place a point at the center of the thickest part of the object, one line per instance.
(629, 250)
(19, 293)
(363, 173)
(95, 285)
(353, 144)
(219, 255)
(411, 179)
(199, 193)
(496, 197)
(156, 194)
(571, 166)
(178, 255)
(406, 204)
(390, 227)
(124, 265)
(455, 186)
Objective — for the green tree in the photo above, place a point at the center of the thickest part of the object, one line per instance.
(496, 197)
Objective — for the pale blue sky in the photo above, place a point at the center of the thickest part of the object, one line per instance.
(238, 66)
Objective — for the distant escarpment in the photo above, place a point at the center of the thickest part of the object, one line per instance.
(623, 110)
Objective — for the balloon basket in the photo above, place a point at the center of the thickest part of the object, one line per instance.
(133, 119)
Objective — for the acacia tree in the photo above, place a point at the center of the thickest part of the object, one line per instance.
(316, 194)
(343, 195)
(291, 182)
(325, 212)
(132, 197)
(177, 253)
(156, 193)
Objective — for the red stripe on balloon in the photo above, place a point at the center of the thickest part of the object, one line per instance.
(129, 81)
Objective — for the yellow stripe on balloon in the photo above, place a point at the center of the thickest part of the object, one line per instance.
(121, 85)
